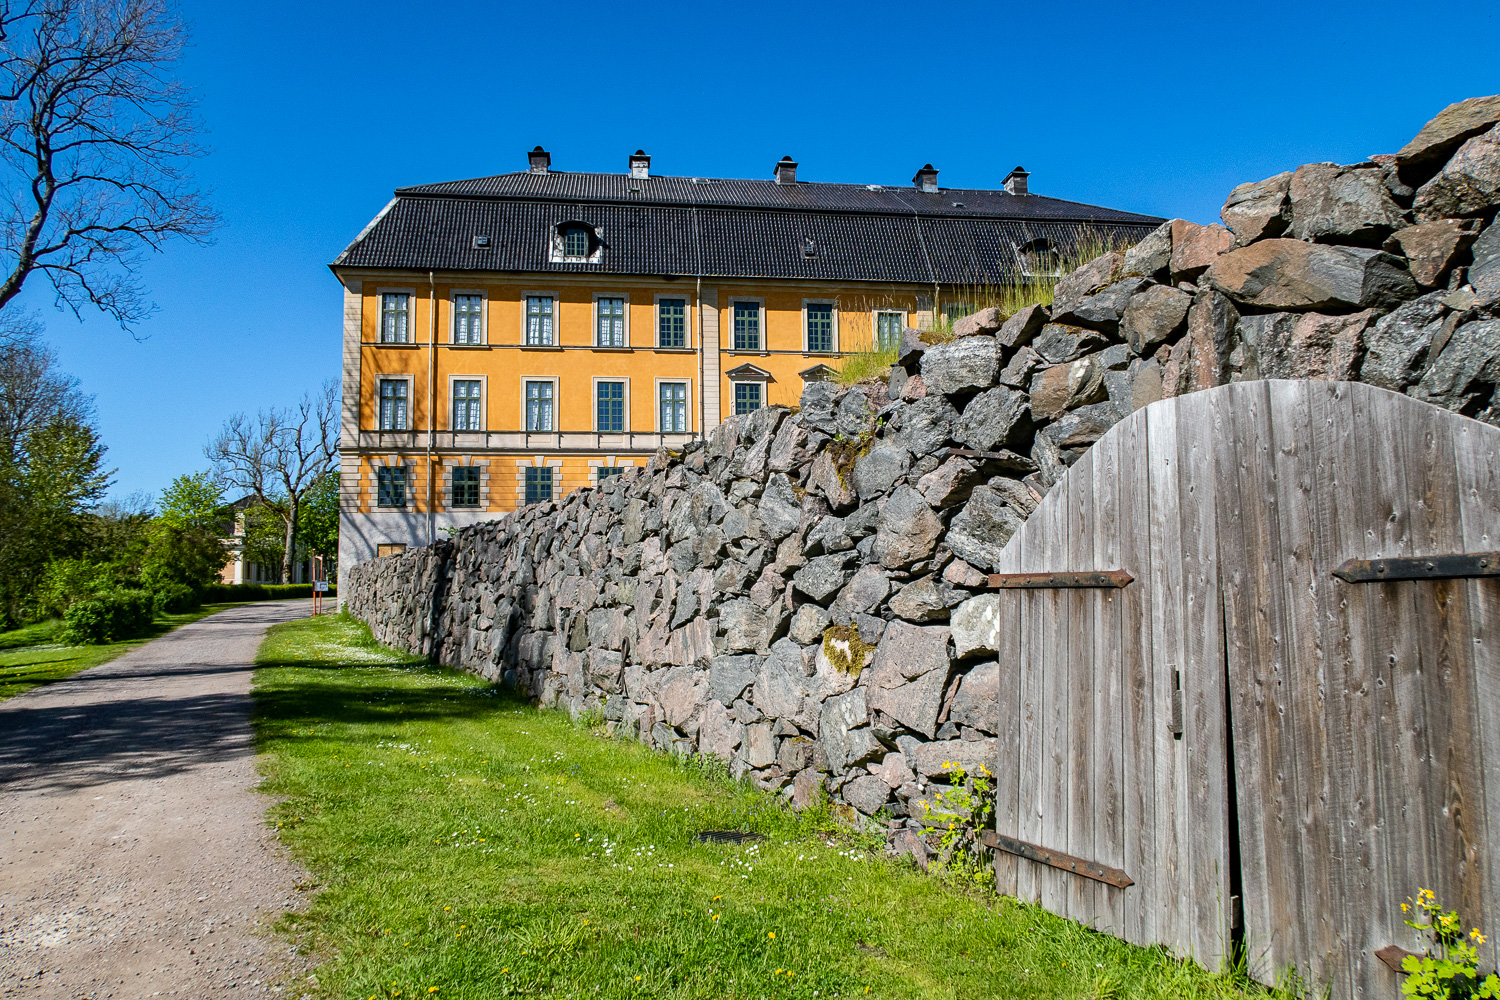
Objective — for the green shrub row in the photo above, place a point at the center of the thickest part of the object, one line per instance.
(110, 616)
(219, 592)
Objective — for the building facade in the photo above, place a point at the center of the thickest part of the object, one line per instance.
(509, 339)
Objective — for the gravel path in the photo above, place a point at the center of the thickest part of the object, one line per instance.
(134, 860)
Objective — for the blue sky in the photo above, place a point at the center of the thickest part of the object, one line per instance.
(317, 111)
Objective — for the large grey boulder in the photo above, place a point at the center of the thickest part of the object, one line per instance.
(1468, 184)
(1291, 274)
(979, 532)
(1102, 309)
(817, 403)
(977, 702)
(908, 531)
(1464, 375)
(808, 624)
(746, 626)
(823, 576)
(950, 483)
(1063, 387)
(1453, 126)
(997, 417)
(965, 365)
(1345, 205)
(867, 794)
(1484, 273)
(1081, 427)
(1431, 249)
(877, 470)
(729, 676)
(985, 321)
(976, 626)
(1152, 256)
(1022, 327)
(780, 512)
(843, 742)
(825, 478)
(1086, 280)
(1195, 247)
(925, 600)
(1153, 316)
(861, 595)
(1021, 366)
(1313, 347)
(909, 674)
(1060, 342)
(779, 689)
(1396, 347)
(923, 426)
(1259, 210)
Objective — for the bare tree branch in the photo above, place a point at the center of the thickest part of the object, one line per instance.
(279, 456)
(33, 393)
(94, 139)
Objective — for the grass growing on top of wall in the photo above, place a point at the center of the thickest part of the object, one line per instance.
(468, 845)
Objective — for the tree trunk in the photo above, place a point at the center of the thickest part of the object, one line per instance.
(286, 553)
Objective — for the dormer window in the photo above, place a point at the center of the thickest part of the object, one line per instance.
(576, 243)
(1039, 258)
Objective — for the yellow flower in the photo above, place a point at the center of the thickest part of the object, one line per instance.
(1476, 935)
(432, 989)
(1403, 907)
(770, 934)
(716, 917)
(637, 978)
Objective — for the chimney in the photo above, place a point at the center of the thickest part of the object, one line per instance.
(640, 164)
(926, 179)
(539, 159)
(1015, 181)
(786, 170)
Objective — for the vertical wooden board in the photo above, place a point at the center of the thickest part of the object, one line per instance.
(1029, 786)
(1138, 732)
(1203, 682)
(1008, 757)
(1165, 543)
(1444, 633)
(1344, 510)
(1249, 541)
(1109, 778)
(1054, 639)
(1300, 482)
(1082, 683)
(1476, 450)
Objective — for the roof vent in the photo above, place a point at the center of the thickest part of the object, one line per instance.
(539, 159)
(640, 164)
(786, 170)
(926, 179)
(481, 243)
(1015, 181)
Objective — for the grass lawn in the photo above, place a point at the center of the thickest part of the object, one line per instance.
(34, 655)
(467, 845)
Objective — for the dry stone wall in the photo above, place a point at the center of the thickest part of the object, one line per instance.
(803, 593)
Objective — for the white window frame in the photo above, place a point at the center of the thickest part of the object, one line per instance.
(656, 404)
(594, 401)
(555, 402)
(484, 316)
(556, 318)
(687, 324)
(608, 295)
(450, 487)
(875, 314)
(765, 335)
(410, 403)
(764, 394)
(608, 462)
(537, 462)
(484, 402)
(411, 316)
(833, 305)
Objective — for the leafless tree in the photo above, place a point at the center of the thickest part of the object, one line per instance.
(33, 393)
(278, 456)
(94, 139)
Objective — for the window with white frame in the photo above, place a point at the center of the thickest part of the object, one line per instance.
(610, 407)
(466, 486)
(466, 404)
(611, 322)
(576, 241)
(539, 406)
(747, 326)
(819, 327)
(748, 397)
(539, 320)
(390, 486)
(393, 404)
(673, 399)
(395, 309)
(671, 323)
(603, 473)
(888, 329)
(538, 484)
(468, 319)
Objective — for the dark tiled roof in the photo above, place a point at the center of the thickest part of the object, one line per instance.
(724, 228)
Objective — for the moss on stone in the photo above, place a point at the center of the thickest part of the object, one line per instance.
(845, 649)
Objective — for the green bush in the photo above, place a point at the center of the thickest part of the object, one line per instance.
(66, 581)
(175, 598)
(111, 616)
(226, 592)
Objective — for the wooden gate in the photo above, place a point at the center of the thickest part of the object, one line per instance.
(1237, 728)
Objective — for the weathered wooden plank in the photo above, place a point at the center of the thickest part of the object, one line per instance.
(1137, 728)
(1249, 552)
(1107, 726)
(1173, 872)
(1301, 480)
(1057, 696)
(1084, 678)
(1008, 757)
(1203, 683)
(1476, 449)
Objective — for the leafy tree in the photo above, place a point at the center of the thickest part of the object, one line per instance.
(264, 541)
(318, 528)
(187, 538)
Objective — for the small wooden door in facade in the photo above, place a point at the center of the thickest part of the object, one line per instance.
(1238, 728)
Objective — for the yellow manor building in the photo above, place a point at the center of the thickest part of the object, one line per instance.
(509, 339)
